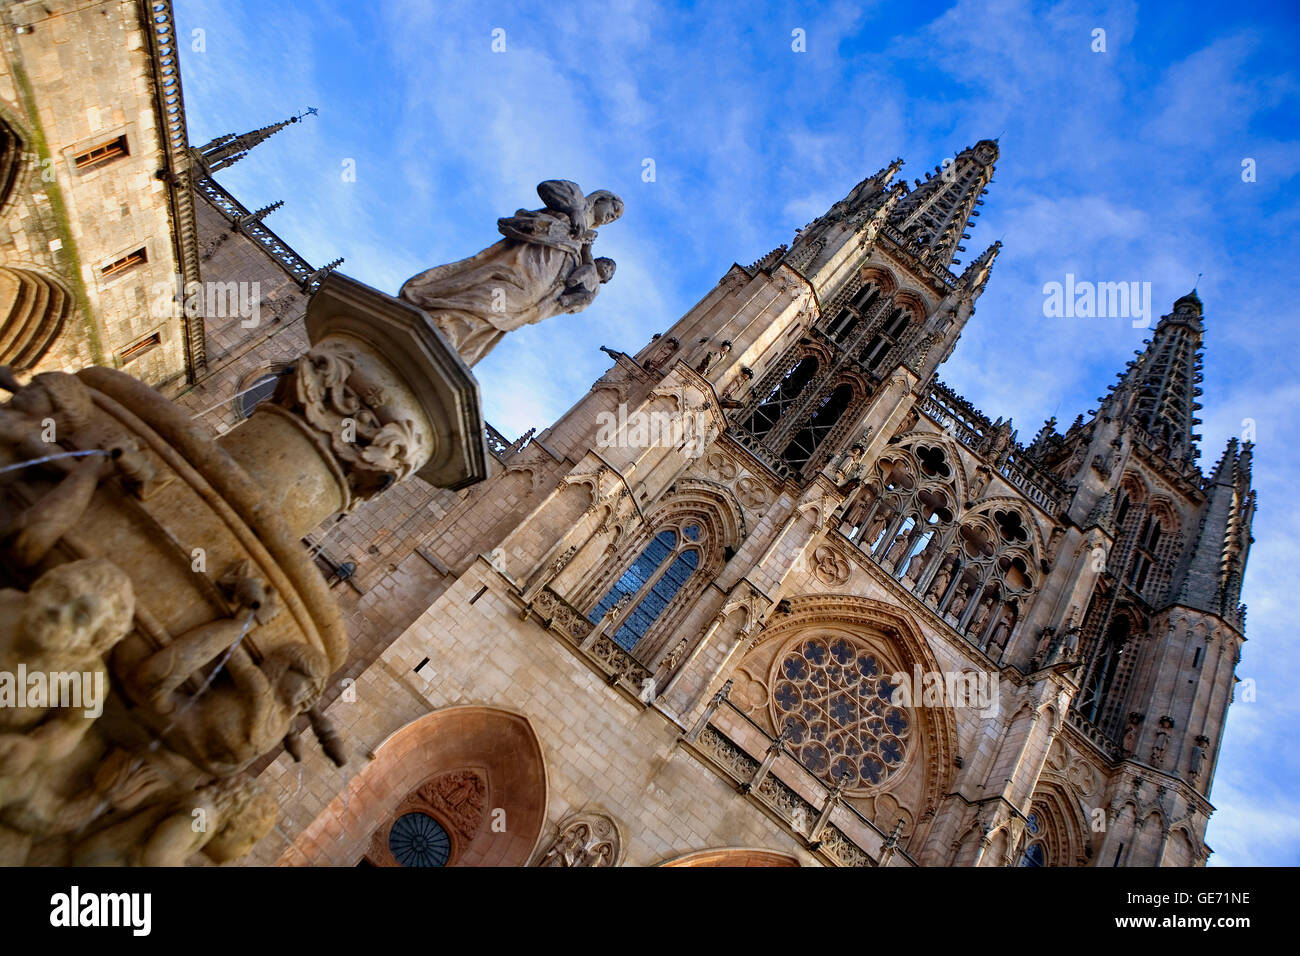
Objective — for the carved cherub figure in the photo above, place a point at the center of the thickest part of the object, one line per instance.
(224, 820)
(73, 615)
(235, 720)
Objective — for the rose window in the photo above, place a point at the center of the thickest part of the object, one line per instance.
(831, 696)
(419, 840)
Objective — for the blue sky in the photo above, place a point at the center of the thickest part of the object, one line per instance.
(1122, 165)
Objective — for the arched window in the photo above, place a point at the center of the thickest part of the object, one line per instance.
(782, 396)
(889, 335)
(1034, 855)
(650, 584)
(1105, 668)
(847, 321)
(1121, 513)
(1144, 556)
(806, 441)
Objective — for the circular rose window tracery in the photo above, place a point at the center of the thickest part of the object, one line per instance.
(831, 695)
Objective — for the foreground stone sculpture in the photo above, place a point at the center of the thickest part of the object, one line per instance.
(156, 580)
(543, 267)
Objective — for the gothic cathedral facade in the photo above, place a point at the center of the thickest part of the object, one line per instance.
(770, 592)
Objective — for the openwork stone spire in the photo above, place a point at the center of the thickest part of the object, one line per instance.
(1158, 391)
(1213, 576)
(231, 148)
(934, 214)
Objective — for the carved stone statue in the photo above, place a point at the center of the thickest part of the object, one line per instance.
(897, 549)
(1046, 640)
(712, 357)
(981, 616)
(72, 616)
(940, 583)
(1001, 631)
(662, 354)
(916, 567)
(959, 602)
(1199, 753)
(590, 839)
(236, 720)
(877, 525)
(224, 820)
(1131, 733)
(1161, 742)
(543, 267)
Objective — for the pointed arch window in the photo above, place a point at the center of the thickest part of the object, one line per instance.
(806, 441)
(1121, 513)
(782, 396)
(657, 576)
(848, 320)
(1034, 853)
(888, 336)
(1106, 668)
(1144, 557)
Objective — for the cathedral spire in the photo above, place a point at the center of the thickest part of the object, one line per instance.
(862, 199)
(934, 214)
(976, 275)
(1158, 390)
(1212, 578)
(231, 148)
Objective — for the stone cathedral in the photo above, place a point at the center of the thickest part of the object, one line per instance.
(768, 594)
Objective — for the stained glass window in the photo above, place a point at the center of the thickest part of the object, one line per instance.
(417, 839)
(640, 572)
(832, 698)
(652, 582)
(652, 605)
(1034, 855)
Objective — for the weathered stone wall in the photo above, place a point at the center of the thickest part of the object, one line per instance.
(78, 77)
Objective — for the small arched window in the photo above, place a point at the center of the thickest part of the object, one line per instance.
(650, 584)
(806, 441)
(782, 396)
(1106, 668)
(1144, 557)
(888, 336)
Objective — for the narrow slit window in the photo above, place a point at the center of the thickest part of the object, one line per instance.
(128, 261)
(147, 344)
(104, 153)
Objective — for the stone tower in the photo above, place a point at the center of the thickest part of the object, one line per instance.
(771, 587)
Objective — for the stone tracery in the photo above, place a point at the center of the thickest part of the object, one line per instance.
(831, 697)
